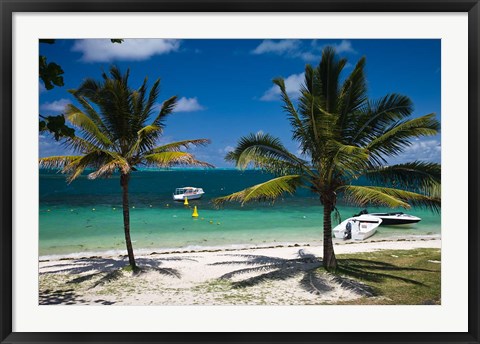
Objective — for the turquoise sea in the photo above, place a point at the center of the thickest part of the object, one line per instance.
(86, 215)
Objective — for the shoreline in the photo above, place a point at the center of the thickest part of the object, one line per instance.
(229, 248)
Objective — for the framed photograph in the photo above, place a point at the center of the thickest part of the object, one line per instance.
(239, 172)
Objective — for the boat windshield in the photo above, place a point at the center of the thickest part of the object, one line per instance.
(181, 191)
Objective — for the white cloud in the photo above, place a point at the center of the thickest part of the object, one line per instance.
(49, 147)
(293, 84)
(277, 47)
(295, 48)
(424, 150)
(188, 105)
(102, 50)
(41, 87)
(345, 46)
(226, 149)
(309, 56)
(55, 106)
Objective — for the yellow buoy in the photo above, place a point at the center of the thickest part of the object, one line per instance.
(195, 213)
(186, 201)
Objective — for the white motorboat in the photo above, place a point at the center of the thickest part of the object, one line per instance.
(188, 192)
(357, 228)
(394, 218)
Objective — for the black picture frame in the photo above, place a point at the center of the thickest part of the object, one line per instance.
(9, 7)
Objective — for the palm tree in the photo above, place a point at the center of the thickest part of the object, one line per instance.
(344, 136)
(116, 135)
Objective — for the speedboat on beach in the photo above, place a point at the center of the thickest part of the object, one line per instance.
(188, 192)
(357, 228)
(396, 218)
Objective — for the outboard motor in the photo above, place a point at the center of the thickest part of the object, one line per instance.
(348, 231)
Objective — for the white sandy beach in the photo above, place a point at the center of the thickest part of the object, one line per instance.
(264, 275)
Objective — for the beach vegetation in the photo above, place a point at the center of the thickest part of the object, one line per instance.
(344, 138)
(391, 274)
(119, 129)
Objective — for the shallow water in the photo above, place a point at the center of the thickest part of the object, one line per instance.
(86, 216)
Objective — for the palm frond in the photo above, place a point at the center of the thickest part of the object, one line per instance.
(266, 152)
(167, 108)
(169, 159)
(152, 97)
(288, 105)
(57, 161)
(346, 158)
(279, 167)
(311, 102)
(146, 139)
(90, 111)
(372, 119)
(267, 191)
(299, 129)
(108, 168)
(396, 138)
(88, 126)
(417, 175)
(101, 160)
(75, 168)
(80, 145)
(354, 91)
(389, 197)
(89, 88)
(177, 146)
(329, 71)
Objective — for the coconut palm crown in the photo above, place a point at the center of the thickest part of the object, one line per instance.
(119, 130)
(342, 136)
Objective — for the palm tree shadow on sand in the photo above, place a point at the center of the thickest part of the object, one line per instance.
(112, 268)
(375, 271)
(100, 271)
(314, 279)
(65, 297)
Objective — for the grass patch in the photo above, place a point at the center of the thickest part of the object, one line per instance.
(223, 292)
(134, 270)
(406, 277)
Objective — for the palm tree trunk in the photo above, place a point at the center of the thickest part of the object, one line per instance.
(124, 178)
(329, 260)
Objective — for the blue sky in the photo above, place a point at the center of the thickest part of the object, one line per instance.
(225, 86)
